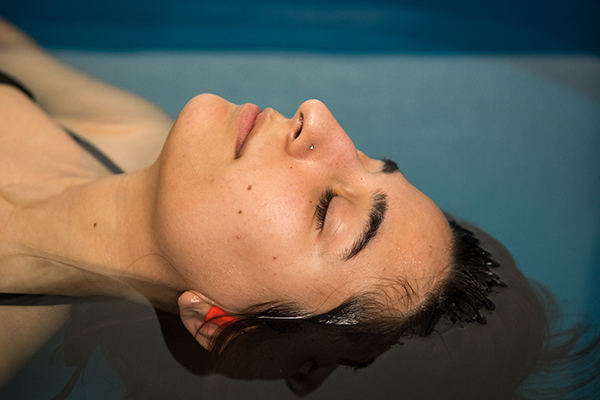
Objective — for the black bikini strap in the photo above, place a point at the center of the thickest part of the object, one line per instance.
(96, 153)
(11, 81)
(87, 146)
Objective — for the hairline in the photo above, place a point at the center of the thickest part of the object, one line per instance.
(379, 298)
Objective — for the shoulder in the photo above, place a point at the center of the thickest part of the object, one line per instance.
(29, 139)
(124, 126)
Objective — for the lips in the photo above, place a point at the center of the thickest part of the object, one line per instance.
(246, 120)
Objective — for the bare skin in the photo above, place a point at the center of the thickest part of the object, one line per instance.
(39, 169)
(224, 225)
(32, 174)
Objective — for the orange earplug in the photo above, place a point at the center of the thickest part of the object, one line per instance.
(219, 317)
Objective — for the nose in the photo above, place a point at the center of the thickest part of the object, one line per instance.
(318, 135)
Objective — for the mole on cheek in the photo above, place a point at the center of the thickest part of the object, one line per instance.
(94, 224)
(239, 211)
(249, 187)
(274, 257)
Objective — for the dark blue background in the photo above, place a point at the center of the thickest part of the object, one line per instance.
(407, 26)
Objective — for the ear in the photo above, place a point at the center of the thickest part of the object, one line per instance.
(200, 317)
(310, 376)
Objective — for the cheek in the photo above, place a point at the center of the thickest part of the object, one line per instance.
(263, 224)
(258, 236)
(265, 205)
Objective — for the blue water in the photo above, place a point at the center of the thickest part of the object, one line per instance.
(493, 111)
(407, 26)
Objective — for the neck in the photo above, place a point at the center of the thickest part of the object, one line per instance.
(100, 229)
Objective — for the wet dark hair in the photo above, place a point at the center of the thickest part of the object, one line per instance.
(463, 293)
(366, 322)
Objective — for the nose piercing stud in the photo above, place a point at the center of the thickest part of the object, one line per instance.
(312, 147)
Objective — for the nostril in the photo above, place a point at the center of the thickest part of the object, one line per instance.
(299, 126)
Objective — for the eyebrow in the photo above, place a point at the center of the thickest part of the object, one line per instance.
(376, 216)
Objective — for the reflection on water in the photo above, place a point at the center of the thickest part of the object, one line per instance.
(140, 351)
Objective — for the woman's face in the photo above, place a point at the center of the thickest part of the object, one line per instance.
(290, 212)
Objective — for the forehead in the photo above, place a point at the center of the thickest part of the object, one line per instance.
(416, 243)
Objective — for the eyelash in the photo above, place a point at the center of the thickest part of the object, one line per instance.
(323, 206)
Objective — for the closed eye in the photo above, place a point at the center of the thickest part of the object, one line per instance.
(323, 206)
